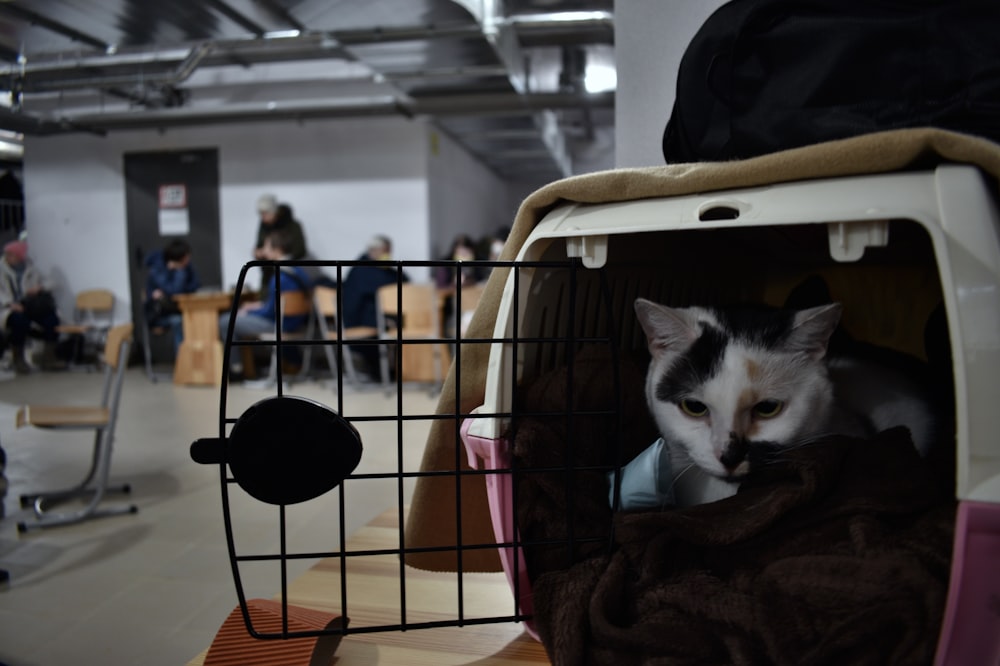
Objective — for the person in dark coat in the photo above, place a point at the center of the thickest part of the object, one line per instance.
(169, 272)
(358, 293)
(277, 216)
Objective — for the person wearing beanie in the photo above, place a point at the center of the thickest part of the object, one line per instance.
(277, 216)
(26, 299)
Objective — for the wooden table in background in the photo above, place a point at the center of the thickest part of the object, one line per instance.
(373, 595)
(199, 359)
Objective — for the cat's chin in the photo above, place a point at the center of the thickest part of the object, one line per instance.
(736, 475)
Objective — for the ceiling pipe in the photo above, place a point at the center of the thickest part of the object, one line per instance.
(446, 106)
(497, 104)
(185, 69)
(500, 104)
(269, 112)
(32, 125)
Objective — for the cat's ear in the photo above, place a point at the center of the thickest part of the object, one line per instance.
(667, 329)
(812, 328)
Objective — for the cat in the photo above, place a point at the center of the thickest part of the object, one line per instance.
(726, 384)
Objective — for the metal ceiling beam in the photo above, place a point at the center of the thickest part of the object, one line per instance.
(236, 17)
(12, 9)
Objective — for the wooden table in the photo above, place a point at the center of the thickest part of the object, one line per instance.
(373, 595)
(199, 359)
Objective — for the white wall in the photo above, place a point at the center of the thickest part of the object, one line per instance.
(345, 179)
(650, 38)
(465, 196)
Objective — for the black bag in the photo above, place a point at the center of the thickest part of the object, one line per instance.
(39, 304)
(761, 76)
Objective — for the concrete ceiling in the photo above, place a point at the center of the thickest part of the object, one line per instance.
(508, 79)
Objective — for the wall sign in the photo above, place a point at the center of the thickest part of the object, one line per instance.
(173, 214)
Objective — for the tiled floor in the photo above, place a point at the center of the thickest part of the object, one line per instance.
(153, 588)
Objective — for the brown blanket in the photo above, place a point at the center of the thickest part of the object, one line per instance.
(840, 557)
(434, 496)
(836, 554)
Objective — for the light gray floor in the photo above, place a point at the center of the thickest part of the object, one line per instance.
(153, 588)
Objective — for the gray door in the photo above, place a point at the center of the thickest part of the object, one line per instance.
(170, 195)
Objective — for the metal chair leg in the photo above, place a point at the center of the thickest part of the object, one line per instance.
(98, 474)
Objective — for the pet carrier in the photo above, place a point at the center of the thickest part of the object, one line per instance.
(546, 389)
(913, 255)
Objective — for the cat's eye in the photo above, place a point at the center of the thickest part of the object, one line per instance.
(767, 409)
(694, 407)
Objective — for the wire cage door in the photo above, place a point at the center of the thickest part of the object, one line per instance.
(286, 455)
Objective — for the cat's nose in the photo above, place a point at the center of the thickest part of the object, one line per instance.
(734, 456)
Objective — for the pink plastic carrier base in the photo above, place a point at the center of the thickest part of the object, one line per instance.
(970, 632)
(495, 454)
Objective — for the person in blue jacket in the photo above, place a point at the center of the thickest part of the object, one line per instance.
(169, 272)
(257, 317)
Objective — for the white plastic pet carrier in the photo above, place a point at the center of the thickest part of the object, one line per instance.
(896, 249)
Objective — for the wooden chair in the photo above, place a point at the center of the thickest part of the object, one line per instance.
(101, 418)
(416, 307)
(331, 329)
(292, 304)
(93, 317)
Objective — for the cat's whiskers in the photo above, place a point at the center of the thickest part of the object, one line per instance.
(774, 455)
(684, 471)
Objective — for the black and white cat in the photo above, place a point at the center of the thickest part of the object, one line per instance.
(724, 384)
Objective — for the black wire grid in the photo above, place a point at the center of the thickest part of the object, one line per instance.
(285, 551)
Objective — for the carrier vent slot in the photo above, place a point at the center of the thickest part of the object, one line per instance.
(717, 212)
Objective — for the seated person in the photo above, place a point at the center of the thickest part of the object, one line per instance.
(257, 317)
(169, 272)
(26, 300)
(359, 290)
(456, 276)
(462, 250)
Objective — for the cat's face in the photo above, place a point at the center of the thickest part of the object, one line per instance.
(724, 383)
